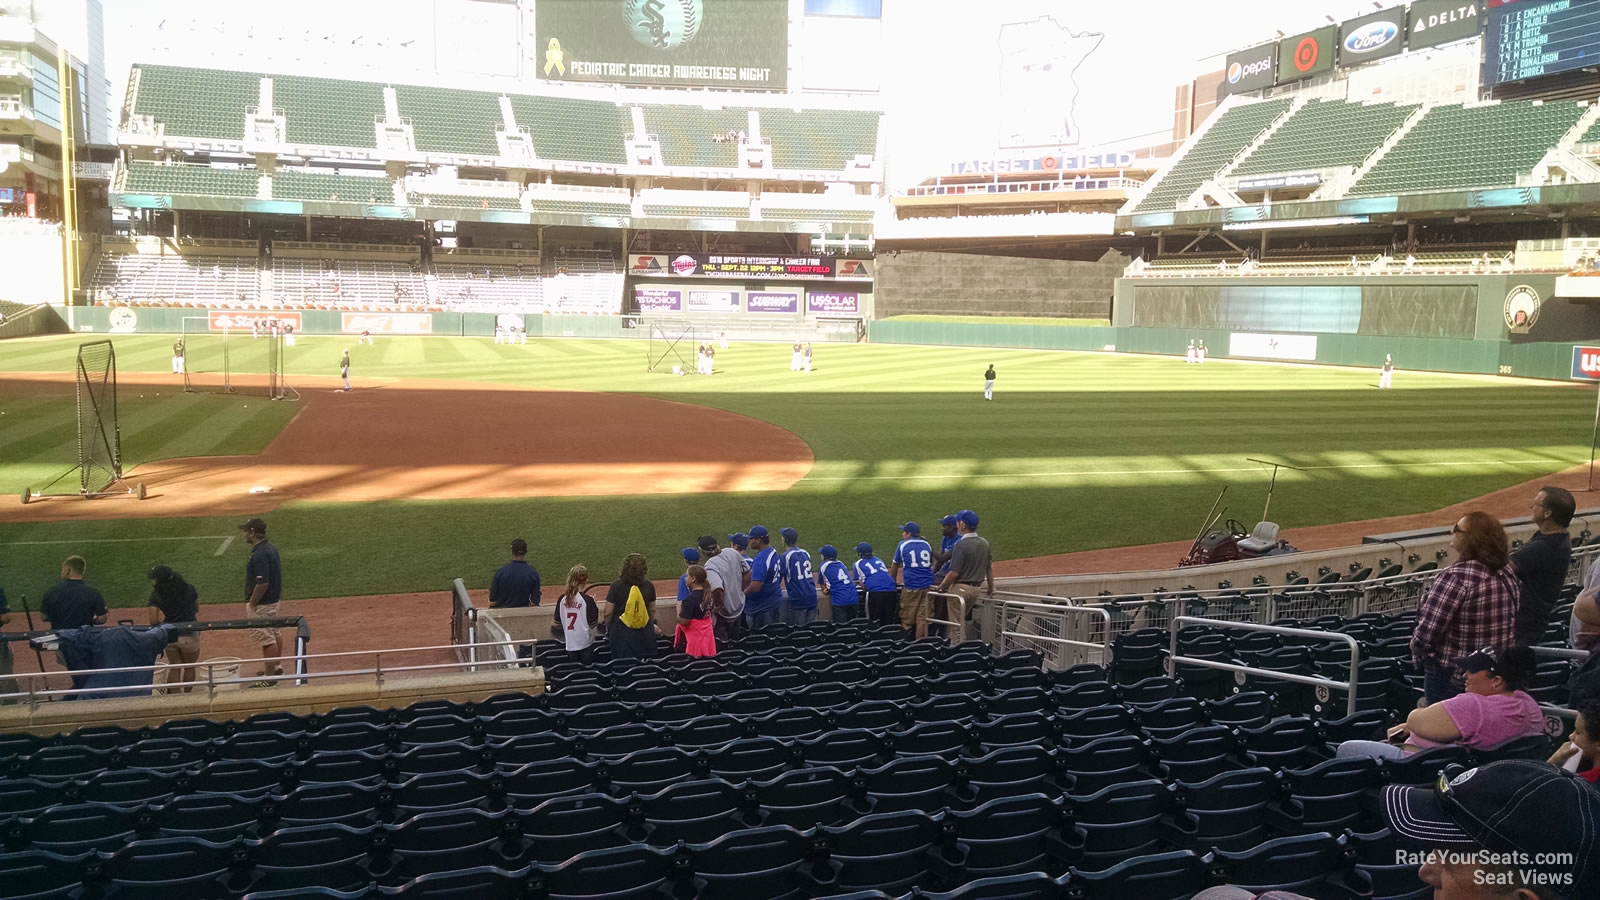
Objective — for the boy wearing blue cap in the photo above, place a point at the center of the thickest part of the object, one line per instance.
(913, 564)
(797, 580)
(883, 595)
(763, 600)
(835, 581)
(691, 557)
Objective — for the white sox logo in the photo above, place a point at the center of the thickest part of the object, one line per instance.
(663, 24)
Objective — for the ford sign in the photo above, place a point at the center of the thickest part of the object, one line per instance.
(1370, 37)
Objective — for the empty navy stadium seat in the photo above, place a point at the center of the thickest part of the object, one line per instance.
(566, 826)
(806, 798)
(760, 864)
(1006, 836)
(884, 852)
(696, 812)
(1115, 822)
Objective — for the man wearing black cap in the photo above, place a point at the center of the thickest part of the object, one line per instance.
(1514, 829)
(263, 586)
(515, 584)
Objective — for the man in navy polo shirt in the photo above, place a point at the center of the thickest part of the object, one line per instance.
(763, 600)
(515, 584)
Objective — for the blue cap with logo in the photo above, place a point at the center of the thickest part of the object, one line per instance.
(911, 528)
(864, 548)
(968, 517)
(758, 531)
(828, 551)
(949, 520)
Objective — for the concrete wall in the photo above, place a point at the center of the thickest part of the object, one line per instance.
(970, 284)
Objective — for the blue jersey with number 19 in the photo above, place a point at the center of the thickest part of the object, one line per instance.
(915, 557)
(798, 579)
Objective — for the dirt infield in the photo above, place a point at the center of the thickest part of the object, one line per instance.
(419, 439)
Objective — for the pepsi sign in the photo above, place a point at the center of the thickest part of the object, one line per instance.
(1373, 36)
(1586, 363)
(1249, 70)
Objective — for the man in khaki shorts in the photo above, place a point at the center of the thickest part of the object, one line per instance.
(971, 567)
(263, 585)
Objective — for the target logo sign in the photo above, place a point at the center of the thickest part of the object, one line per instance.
(1305, 53)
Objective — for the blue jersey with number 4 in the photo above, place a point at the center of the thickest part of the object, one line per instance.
(799, 580)
(841, 587)
(915, 557)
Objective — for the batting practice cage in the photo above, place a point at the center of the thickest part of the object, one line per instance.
(673, 347)
(99, 465)
(233, 360)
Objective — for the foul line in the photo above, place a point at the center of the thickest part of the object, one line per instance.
(225, 544)
(1220, 470)
(225, 538)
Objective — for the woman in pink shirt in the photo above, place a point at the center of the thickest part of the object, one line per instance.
(1493, 708)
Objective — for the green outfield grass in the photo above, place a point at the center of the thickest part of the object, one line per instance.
(1004, 320)
(1077, 451)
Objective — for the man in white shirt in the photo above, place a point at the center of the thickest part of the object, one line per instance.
(726, 577)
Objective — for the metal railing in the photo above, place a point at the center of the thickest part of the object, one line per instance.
(463, 624)
(38, 689)
(1065, 636)
(956, 609)
(1350, 687)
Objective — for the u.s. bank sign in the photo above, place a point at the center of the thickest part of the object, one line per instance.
(1586, 363)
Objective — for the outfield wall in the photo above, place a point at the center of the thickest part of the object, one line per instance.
(1552, 360)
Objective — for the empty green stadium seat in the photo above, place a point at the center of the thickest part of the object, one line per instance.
(1458, 147)
(287, 185)
(581, 207)
(205, 103)
(1236, 130)
(696, 212)
(1593, 134)
(686, 134)
(446, 120)
(816, 215)
(1324, 134)
(327, 111)
(152, 178)
(578, 130)
(825, 139)
(462, 201)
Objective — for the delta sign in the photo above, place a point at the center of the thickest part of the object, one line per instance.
(1586, 363)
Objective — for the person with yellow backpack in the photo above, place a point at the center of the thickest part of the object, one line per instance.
(631, 616)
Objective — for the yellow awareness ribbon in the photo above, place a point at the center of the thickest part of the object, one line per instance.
(554, 58)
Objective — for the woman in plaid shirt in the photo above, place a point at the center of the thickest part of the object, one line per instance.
(1471, 605)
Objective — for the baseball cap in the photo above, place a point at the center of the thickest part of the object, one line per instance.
(707, 543)
(739, 539)
(948, 520)
(519, 546)
(758, 531)
(789, 534)
(969, 517)
(864, 548)
(828, 551)
(258, 525)
(1514, 805)
(690, 554)
(911, 527)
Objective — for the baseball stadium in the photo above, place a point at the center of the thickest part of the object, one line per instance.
(914, 482)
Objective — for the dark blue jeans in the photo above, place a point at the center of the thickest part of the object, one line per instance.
(843, 614)
(1438, 682)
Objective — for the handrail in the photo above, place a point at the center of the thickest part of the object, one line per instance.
(958, 632)
(301, 676)
(1029, 603)
(1330, 636)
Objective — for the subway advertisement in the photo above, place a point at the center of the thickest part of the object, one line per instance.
(740, 44)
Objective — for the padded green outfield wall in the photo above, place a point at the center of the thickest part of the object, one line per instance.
(1550, 360)
(1537, 359)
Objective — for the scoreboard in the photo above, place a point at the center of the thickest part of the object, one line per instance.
(1532, 39)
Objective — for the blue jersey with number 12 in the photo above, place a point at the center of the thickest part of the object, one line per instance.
(798, 579)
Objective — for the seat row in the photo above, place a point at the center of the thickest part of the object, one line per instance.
(610, 730)
(475, 854)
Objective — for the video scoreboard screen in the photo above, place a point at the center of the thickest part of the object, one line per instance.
(1528, 39)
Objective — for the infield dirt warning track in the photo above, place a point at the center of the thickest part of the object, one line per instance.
(422, 439)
